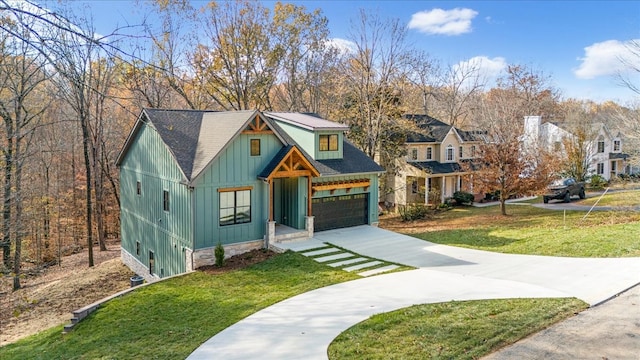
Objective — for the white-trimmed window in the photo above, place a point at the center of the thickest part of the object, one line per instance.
(600, 168)
(460, 153)
(449, 153)
(429, 153)
(414, 154)
(616, 145)
(235, 206)
(473, 151)
(600, 144)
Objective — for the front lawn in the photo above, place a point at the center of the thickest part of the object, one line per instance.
(454, 330)
(619, 198)
(530, 230)
(170, 319)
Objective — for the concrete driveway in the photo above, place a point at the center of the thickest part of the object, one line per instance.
(305, 325)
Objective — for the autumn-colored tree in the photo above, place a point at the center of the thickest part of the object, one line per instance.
(504, 164)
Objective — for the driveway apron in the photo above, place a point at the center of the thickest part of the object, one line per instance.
(305, 325)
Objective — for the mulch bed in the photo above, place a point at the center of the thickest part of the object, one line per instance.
(239, 262)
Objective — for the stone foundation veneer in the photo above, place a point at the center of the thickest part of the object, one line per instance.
(309, 225)
(136, 266)
(204, 257)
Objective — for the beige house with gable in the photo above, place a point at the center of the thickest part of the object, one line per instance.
(432, 172)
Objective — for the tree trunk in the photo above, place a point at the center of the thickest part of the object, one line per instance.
(6, 207)
(19, 226)
(87, 165)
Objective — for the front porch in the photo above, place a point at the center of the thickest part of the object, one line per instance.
(435, 189)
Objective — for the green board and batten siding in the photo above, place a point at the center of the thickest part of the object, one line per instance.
(142, 216)
(234, 167)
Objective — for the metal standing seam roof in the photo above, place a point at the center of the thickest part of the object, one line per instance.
(306, 121)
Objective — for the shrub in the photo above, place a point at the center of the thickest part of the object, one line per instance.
(463, 198)
(219, 254)
(413, 212)
(597, 182)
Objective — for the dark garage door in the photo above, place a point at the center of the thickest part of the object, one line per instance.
(340, 211)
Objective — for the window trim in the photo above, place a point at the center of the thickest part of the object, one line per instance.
(251, 147)
(449, 151)
(235, 191)
(429, 152)
(460, 152)
(600, 168)
(473, 151)
(138, 188)
(600, 144)
(414, 154)
(329, 143)
(616, 145)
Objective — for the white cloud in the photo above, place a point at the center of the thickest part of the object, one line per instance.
(343, 45)
(606, 58)
(443, 22)
(486, 67)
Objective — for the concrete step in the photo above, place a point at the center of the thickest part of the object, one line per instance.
(293, 236)
(347, 262)
(362, 266)
(75, 320)
(333, 257)
(378, 270)
(321, 251)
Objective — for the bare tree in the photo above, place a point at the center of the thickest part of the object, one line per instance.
(22, 102)
(371, 75)
(632, 66)
(460, 83)
(424, 75)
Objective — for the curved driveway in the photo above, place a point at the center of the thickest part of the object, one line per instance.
(305, 325)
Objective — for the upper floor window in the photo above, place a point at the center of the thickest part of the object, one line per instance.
(235, 206)
(473, 150)
(165, 200)
(414, 154)
(429, 153)
(329, 142)
(616, 145)
(255, 147)
(460, 152)
(557, 146)
(449, 153)
(138, 188)
(600, 144)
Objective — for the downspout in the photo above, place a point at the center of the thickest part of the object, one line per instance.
(192, 231)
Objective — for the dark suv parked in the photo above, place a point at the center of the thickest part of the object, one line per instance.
(564, 189)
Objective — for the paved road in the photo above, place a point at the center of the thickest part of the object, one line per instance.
(305, 325)
(608, 331)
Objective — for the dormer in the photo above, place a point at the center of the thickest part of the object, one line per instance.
(321, 139)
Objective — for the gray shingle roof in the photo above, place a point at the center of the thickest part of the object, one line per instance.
(353, 160)
(196, 137)
(435, 167)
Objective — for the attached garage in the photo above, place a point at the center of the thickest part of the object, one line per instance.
(336, 212)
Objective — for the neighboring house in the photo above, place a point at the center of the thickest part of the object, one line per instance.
(432, 171)
(604, 150)
(192, 179)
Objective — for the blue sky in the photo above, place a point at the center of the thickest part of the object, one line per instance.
(577, 43)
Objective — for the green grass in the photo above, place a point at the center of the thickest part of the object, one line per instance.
(454, 330)
(170, 319)
(530, 230)
(622, 198)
